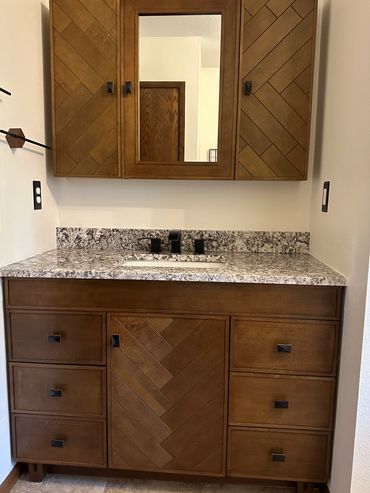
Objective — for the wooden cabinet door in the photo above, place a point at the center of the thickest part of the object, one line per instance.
(85, 115)
(162, 117)
(276, 76)
(167, 393)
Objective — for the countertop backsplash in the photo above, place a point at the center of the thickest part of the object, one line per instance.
(217, 241)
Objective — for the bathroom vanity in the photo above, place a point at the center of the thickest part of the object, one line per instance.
(227, 373)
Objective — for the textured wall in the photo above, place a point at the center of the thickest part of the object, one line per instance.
(341, 238)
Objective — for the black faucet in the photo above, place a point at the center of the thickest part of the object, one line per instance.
(174, 239)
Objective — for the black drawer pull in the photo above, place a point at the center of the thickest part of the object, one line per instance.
(284, 348)
(57, 443)
(281, 404)
(278, 457)
(55, 393)
(55, 339)
(116, 342)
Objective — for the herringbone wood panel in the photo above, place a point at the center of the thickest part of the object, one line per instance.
(167, 394)
(274, 120)
(85, 128)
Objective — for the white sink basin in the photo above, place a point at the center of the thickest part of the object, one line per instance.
(174, 264)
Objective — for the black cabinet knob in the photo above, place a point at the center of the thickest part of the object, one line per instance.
(284, 348)
(110, 87)
(248, 86)
(281, 404)
(55, 393)
(127, 88)
(55, 339)
(116, 342)
(57, 443)
(278, 457)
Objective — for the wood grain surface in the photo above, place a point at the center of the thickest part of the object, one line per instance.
(277, 57)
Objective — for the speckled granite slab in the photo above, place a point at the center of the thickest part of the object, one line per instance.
(217, 241)
(263, 268)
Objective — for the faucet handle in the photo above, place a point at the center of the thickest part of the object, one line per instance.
(155, 244)
(199, 245)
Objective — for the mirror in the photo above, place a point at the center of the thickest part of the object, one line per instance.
(179, 88)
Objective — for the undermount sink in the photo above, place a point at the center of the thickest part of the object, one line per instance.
(179, 264)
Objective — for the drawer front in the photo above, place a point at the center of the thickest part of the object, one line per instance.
(59, 441)
(177, 297)
(282, 401)
(70, 391)
(57, 338)
(289, 346)
(271, 454)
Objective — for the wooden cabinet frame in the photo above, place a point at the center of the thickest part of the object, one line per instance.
(133, 168)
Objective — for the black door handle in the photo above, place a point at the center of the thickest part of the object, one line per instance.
(248, 86)
(116, 342)
(127, 88)
(110, 87)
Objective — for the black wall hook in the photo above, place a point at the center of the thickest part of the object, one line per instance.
(5, 91)
(16, 139)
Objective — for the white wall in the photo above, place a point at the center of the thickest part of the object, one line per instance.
(23, 232)
(361, 462)
(184, 204)
(176, 59)
(341, 238)
(208, 111)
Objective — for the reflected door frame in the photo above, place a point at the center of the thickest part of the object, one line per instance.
(229, 84)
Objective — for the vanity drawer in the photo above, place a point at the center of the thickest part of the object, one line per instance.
(57, 337)
(284, 346)
(272, 454)
(62, 390)
(284, 401)
(59, 441)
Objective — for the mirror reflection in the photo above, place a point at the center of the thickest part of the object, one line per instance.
(179, 74)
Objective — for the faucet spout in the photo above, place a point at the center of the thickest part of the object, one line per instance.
(174, 239)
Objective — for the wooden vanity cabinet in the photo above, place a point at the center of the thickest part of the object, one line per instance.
(206, 379)
(167, 393)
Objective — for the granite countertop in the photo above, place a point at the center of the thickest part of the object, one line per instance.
(263, 268)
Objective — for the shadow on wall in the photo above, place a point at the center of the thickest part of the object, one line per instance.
(45, 23)
(321, 96)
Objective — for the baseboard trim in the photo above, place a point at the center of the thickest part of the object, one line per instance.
(11, 479)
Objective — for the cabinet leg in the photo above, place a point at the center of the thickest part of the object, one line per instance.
(36, 472)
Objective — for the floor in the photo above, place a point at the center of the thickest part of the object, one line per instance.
(77, 484)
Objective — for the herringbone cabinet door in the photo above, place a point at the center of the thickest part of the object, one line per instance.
(277, 59)
(84, 59)
(167, 389)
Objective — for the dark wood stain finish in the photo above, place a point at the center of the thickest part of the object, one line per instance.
(277, 57)
(162, 121)
(84, 57)
(311, 302)
(168, 397)
(133, 167)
